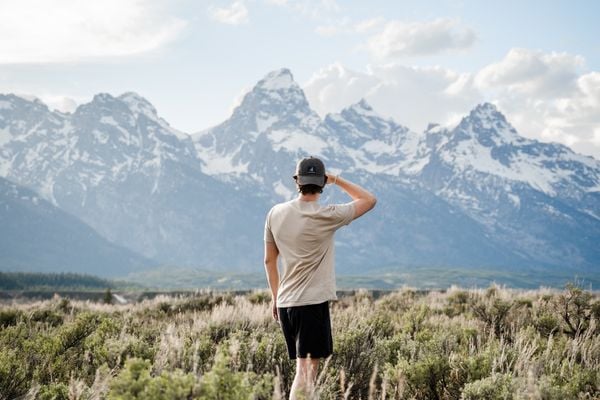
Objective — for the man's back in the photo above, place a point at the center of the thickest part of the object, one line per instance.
(303, 232)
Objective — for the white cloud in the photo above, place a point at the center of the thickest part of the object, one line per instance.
(533, 72)
(546, 97)
(345, 26)
(315, 9)
(420, 38)
(368, 25)
(39, 31)
(413, 96)
(61, 103)
(235, 14)
(596, 137)
(335, 87)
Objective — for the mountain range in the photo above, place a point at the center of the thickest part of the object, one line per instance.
(475, 195)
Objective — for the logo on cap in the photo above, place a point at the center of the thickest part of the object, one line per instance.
(311, 170)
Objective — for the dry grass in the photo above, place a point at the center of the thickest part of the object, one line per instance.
(495, 342)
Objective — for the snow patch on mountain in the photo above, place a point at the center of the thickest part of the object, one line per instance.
(282, 190)
(215, 164)
(277, 80)
(516, 200)
(5, 136)
(265, 121)
(294, 141)
(468, 155)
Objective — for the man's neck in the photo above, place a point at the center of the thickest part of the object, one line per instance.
(309, 197)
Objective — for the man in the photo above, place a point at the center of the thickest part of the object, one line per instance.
(301, 233)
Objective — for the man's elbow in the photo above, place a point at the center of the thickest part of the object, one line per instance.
(372, 202)
(270, 261)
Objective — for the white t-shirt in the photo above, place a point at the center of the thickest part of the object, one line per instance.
(303, 231)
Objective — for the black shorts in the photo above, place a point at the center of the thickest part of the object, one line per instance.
(307, 330)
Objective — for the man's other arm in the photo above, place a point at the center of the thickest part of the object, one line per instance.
(271, 254)
(363, 199)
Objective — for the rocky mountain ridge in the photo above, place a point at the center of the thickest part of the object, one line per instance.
(476, 195)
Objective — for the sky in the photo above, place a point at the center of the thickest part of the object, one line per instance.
(413, 61)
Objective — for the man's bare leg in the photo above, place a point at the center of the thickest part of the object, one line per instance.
(304, 381)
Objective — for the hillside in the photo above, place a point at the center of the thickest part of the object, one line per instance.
(37, 236)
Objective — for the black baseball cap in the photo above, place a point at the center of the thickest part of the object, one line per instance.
(310, 171)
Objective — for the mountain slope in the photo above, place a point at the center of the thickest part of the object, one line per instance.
(540, 199)
(36, 236)
(121, 169)
(474, 195)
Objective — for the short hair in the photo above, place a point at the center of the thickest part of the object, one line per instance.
(310, 189)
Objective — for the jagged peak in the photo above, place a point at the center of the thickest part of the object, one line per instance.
(277, 80)
(12, 99)
(486, 106)
(276, 91)
(433, 127)
(103, 98)
(489, 125)
(363, 104)
(138, 104)
(486, 111)
(133, 97)
(362, 108)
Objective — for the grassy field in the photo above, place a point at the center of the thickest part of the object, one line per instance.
(493, 343)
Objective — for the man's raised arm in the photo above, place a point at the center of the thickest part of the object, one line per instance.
(363, 199)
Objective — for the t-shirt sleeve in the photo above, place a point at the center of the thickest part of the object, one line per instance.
(338, 215)
(268, 234)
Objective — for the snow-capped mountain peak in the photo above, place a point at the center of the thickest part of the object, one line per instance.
(138, 104)
(129, 103)
(488, 126)
(363, 108)
(274, 116)
(277, 93)
(360, 123)
(281, 79)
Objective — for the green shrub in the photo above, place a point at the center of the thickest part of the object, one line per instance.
(14, 374)
(576, 309)
(427, 378)
(259, 297)
(493, 311)
(49, 317)
(64, 305)
(9, 317)
(54, 391)
(495, 387)
(355, 352)
(457, 303)
(135, 382)
(221, 382)
(414, 319)
(547, 324)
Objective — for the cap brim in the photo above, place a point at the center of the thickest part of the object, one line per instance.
(311, 180)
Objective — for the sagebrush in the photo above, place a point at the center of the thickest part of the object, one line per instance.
(493, 343)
